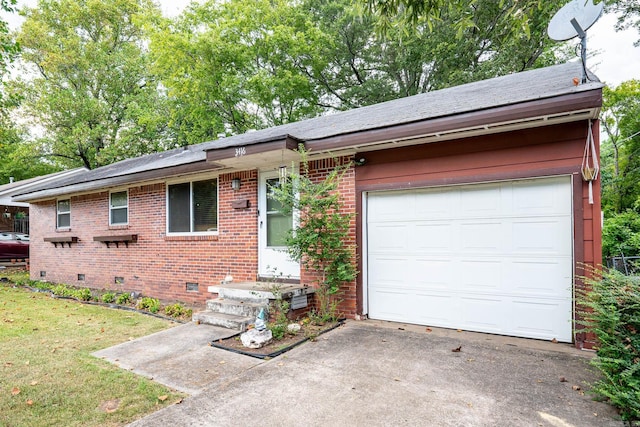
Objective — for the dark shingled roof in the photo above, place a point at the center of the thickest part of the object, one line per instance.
(507, 90)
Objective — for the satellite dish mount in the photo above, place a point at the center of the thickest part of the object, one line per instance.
(573, 20)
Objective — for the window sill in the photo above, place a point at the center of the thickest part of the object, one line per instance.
(118, 226)
(191, 238)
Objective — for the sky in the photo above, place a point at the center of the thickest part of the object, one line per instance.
(612, 55)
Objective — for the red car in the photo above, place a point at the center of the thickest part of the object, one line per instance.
(14, 245)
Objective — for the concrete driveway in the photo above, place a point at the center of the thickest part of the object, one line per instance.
(372, 374)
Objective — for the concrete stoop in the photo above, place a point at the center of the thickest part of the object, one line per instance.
(238, 304)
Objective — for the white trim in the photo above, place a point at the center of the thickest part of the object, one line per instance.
(66, 227)
(192, 233)
(111, 208)
(365, 256)
(572, 226)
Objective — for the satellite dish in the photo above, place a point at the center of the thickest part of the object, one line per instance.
(573, 20)
(585, 14)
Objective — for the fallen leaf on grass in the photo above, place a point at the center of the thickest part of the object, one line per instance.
(8, 364)
(163, 398)
(29, 402)
(34, 382)
(457, 350)
(110, 406)
(26, 363)
(15, 391)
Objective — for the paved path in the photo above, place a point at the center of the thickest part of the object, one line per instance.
(382, 374)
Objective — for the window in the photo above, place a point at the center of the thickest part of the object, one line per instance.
(64, 214)
(119, 208)
(278, 224)
(193, 207)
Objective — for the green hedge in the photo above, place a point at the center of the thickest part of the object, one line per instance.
(613, 314)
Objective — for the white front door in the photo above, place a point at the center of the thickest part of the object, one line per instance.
(273, 227)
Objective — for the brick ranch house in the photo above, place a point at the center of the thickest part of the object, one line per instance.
(471, 210)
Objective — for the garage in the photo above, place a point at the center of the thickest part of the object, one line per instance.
(491, 257)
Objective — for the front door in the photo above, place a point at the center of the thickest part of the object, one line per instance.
(273, 227)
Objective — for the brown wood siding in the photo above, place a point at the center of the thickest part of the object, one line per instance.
(540, 152)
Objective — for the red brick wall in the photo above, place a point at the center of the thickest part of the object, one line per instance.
(157, 265)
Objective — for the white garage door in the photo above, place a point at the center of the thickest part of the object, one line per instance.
(488, 257)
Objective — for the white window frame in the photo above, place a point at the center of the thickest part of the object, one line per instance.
(59, 213)
(193, 233)
(112, 208)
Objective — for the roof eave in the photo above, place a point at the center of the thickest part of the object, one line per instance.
(120, 180)
(565, 108)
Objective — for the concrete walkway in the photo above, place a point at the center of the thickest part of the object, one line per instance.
(372, 374)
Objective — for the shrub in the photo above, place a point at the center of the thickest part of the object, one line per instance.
(62, 290)
(123, 299)
(621, 235)
(177, 310)
(320, 239)
(150, 304)
(82, 294)
(613, 314)
(108, 297)
(279, 309)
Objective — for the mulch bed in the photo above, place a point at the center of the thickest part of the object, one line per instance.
(308, 332)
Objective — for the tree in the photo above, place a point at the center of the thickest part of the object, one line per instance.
(92, 92)
(233, 66)
(365, 68)
(18, 160)
(620, 119)
(629, 14)
(515, 16)
(8, 47)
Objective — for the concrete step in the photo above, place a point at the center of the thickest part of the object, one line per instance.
(235, 307)
(229, 321)
(258, 292)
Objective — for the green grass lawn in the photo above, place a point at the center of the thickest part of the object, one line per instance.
(47, 374)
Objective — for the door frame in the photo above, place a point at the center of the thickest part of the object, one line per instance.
(291, 269)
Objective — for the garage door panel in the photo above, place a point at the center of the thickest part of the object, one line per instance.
(540, 236)
(388, 237)
(542, 318)
(439, 205)
(480, 275)
(391, 206)
(430, 237)
(541, 197)
(388, 270)
(483, 200)
(489, 257)
(481, 313)
(539, 278)
(481, 236)
(432, 273)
